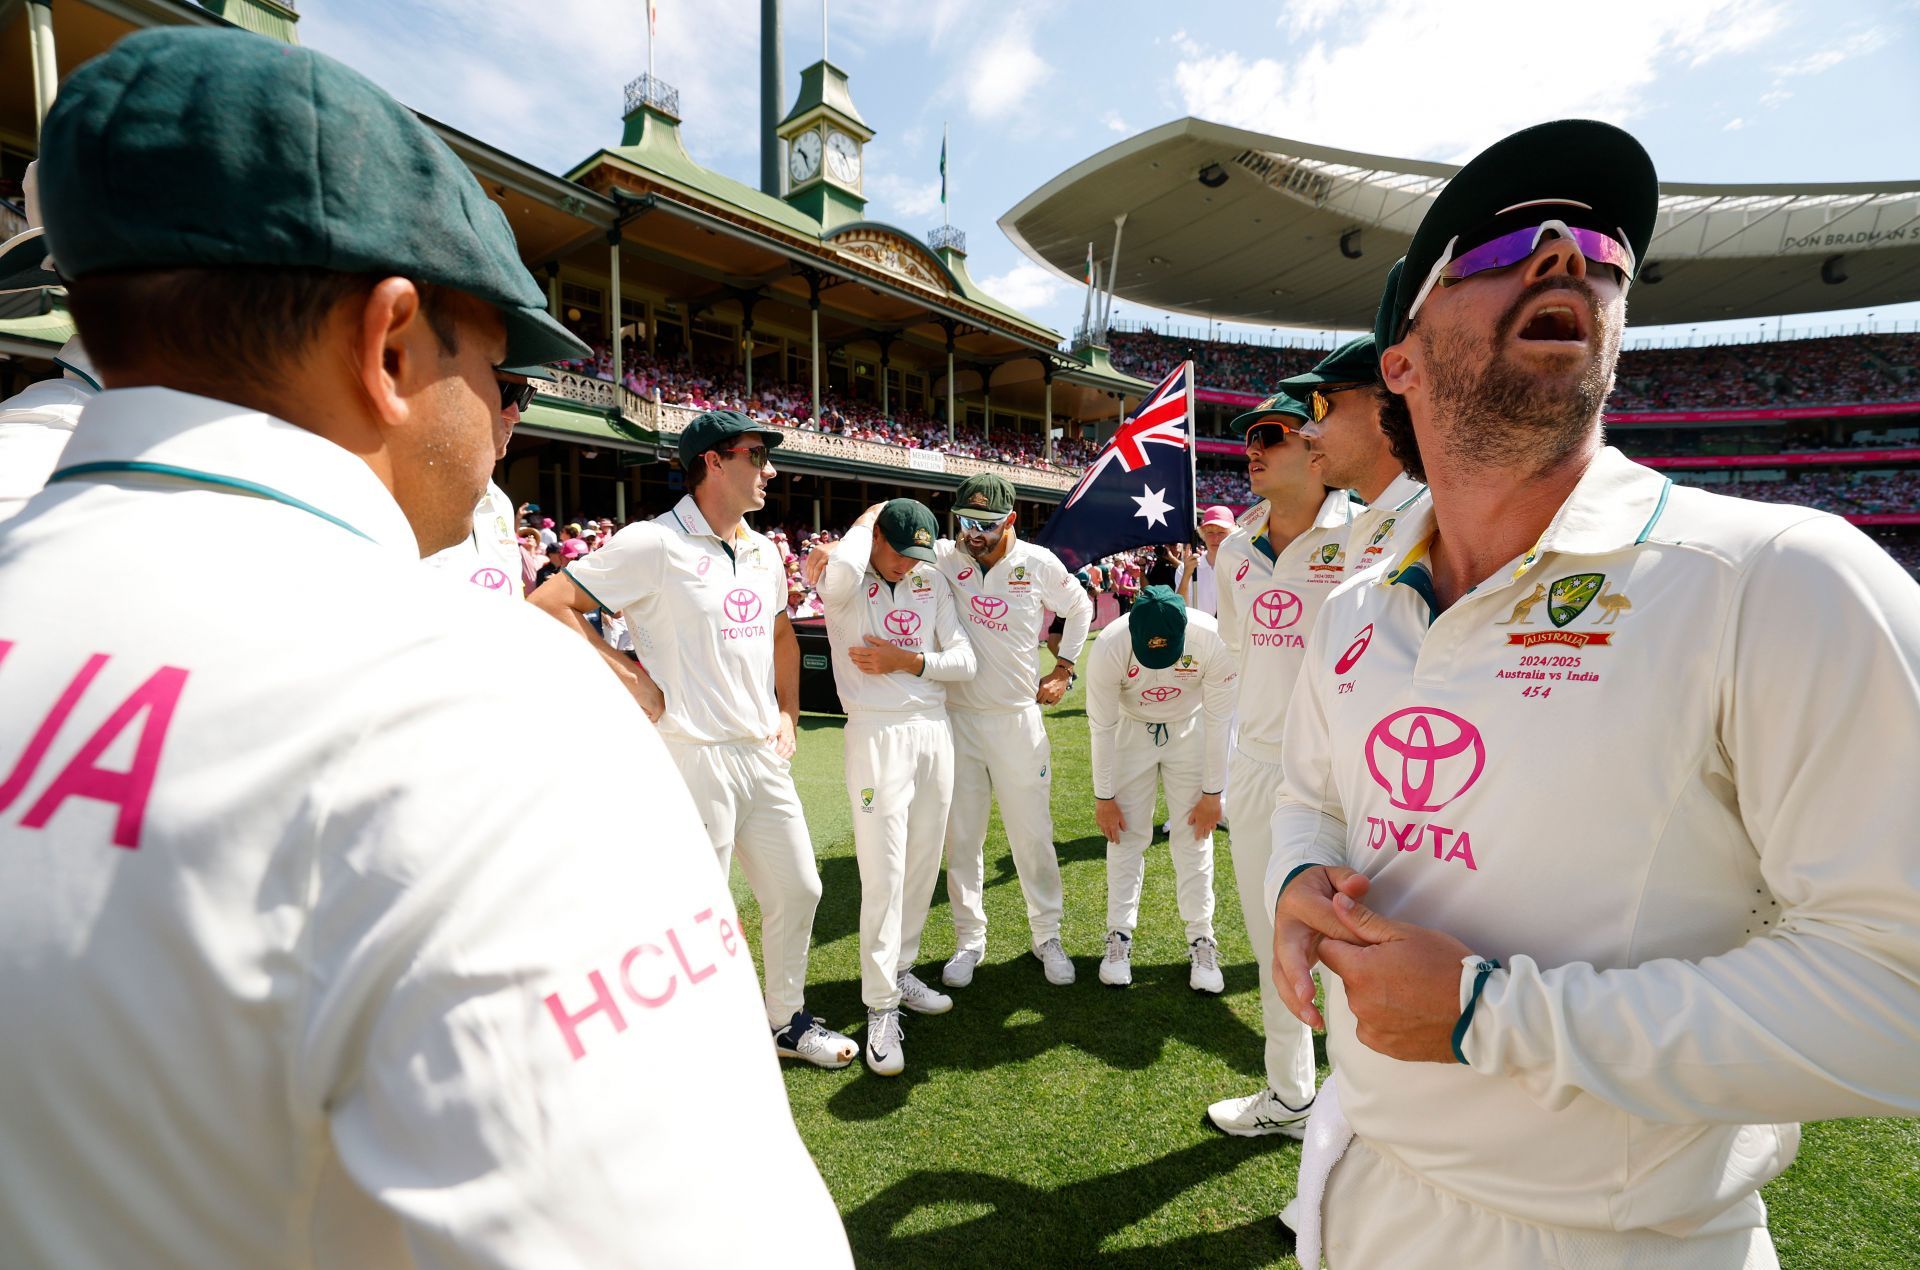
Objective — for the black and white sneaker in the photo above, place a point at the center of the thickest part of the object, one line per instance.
(1116, 968)
(885, 1054)
(1205, 975)
(915, 995)
(807, 1037)
(1258, 1115)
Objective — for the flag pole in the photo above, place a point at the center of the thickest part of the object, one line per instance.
(943, 177)
(650, 22)
(1193, 456)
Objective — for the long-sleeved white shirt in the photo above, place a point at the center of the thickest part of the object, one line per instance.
(1268, 600)
(1003, 608)
(1661, 767)
(1120, 688)
(317, 974)
(916, 613)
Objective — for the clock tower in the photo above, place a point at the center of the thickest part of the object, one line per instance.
(825, 138)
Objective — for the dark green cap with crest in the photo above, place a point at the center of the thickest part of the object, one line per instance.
(1157, 625)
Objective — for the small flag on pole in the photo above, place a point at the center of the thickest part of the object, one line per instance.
(1089, 264)
(943, 166)
(653, 18)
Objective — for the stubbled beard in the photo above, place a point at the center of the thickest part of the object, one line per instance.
(1490, 412)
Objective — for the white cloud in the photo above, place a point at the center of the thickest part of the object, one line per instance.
(1733, 125)
(1774, 97)
(1826, 59)
(1459, 84)
(901, 198)
(1001, 73)
(1115, 123)
(1025, 287)
(1305, 16)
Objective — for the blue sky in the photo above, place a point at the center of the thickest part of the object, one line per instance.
(1743, 91)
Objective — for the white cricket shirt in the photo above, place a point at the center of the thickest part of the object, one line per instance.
(701, 613)
(318, 973)
(489, 557)
(916, 613)
(35, 424)
(1120, 688)
(1661, 767)
(1267, 604)
(1003, 608)
(1371, 535)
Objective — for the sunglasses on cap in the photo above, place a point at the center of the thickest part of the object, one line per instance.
(756, 454)
(1268, 436)
(975, 525)
(1515, 246)
(515, 395)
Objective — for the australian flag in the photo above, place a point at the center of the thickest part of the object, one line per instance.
(1139, 489)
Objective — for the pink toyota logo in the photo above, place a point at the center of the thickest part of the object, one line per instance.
(1276, 610)
(991, 607)
(1435, 756)
(901, 622)
(1165, 692)
(742, 605)
(491, 579)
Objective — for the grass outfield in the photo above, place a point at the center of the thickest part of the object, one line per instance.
(1037, 1125)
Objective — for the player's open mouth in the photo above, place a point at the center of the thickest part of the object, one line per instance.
(1556, 321)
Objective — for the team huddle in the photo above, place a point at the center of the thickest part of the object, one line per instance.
(1585, 798)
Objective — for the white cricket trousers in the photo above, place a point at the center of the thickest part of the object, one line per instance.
(1379, 1215)
(1251, 787)
(1004, 756)
(900, 782)
(745, 796)
(1145, 755)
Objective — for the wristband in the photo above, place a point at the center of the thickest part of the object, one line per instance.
(1482, 967)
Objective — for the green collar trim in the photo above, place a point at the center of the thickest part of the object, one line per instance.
(204, 478)
(1659, 508)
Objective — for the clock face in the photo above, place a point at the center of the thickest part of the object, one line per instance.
(843, 157)
(803, 157)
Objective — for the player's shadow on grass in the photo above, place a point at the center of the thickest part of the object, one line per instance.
(991, 1220)
(1011, 1014)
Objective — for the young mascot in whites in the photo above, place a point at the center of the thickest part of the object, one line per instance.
(1275, 570)
(1160, 688)
(897, 644)
(1638, 873)
(704, 598)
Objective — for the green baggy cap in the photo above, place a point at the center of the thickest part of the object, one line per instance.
(1384, 320)
(1157, 625)
(909, 528)
(1354, 362)
(1580, 170)
(709, 429)
(189, 148)
(1281, 403)
(984, 494)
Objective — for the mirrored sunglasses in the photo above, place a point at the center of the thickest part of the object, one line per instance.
(1516, 246)
(975, 525)
(515, 395)
(1268, 436)
(1321, 403)
(756, 454)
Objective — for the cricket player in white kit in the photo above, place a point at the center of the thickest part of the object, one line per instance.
(1622, 772)
(1003, 588)
(897, 646)
(1160, 689)
(704, 598)
(314, 980)
(1274, 570)
(489, 556)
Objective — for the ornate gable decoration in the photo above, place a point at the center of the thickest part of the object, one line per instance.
(895, 253)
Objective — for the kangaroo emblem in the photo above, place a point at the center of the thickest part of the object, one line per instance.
(1613, 603)
(1523, 611)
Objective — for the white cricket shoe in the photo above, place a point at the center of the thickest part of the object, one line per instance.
(885, 1054)
(1054, 958)
(918, 997)
(807, 1037)
(1205, 975)
(1258, 1115)
(958, 972)
(1116, 968)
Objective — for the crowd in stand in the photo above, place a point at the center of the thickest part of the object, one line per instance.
(1783, 373)
(1840, 492)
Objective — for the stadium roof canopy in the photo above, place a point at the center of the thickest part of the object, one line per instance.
(1226, 223)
